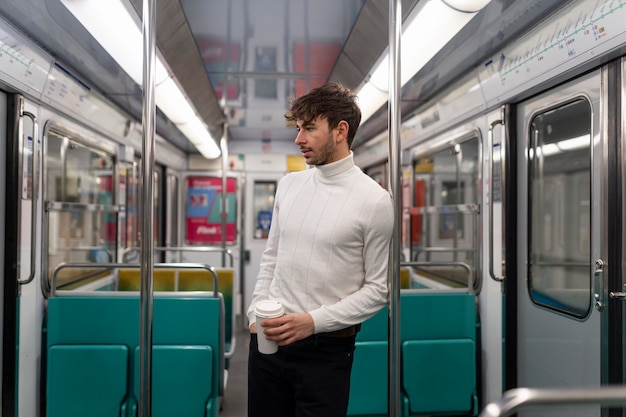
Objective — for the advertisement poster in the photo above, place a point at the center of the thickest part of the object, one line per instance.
(204, 207)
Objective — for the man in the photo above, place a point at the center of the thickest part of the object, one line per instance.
(325, 262)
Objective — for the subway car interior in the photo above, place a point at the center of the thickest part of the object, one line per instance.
(142, 142)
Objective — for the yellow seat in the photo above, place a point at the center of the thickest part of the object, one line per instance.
(129, 280)
(202, 280)
(405, 278)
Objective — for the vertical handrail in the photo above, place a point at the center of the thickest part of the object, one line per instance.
(395, 177)
(490, 145)
(34, 186)
(224, 208)
(147, 202)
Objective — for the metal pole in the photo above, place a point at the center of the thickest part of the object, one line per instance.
(224, 149)
(147, 201)
(395, 176)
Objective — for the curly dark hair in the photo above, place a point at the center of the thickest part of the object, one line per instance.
(332, 102)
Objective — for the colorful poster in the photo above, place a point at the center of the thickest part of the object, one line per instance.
(204, 210)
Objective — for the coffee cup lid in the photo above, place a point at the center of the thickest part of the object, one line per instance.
(269, 308)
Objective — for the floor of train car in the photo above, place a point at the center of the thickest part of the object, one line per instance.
(235, 402)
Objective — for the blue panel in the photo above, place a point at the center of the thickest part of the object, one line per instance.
(86, 380)
(439, 375)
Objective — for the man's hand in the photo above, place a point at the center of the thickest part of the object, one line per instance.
(287, 329)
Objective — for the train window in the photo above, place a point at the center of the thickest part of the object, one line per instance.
(81, 213)
(444, 217)
(129, 182)
(560, 212)
(130, 222)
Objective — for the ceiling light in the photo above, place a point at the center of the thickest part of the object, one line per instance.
(124, 43)
(467, 6)
(426, 30)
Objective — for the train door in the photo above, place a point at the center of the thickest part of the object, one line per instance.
(259, 198)
(24, 311)
(563, 316)
(3, 194)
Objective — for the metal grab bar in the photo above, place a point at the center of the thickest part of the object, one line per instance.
(440, 249)
(519, 398)
(34, 187)
(64, 265)
(490, 144)
(467, 208)
(181, 249)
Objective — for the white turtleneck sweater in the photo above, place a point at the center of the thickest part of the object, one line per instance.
(328, 246)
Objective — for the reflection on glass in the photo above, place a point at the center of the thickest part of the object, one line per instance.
(560, 215)
(444, 217)
(82, 217)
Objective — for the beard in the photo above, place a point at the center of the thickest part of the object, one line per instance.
(325, 154)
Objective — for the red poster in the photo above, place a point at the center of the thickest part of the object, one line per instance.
(204, 210)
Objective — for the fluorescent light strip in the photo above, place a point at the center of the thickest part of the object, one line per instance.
(427, 29)
(124, 44)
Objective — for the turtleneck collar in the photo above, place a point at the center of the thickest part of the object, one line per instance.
(337, 167)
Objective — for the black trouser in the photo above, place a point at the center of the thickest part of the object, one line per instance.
(309, 378)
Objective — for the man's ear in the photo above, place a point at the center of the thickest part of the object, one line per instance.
(342, 131)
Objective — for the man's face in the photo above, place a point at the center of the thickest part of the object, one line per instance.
(318, 143)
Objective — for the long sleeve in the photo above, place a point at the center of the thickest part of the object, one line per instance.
(328, 248)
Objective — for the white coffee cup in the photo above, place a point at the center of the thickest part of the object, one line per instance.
(267, 309)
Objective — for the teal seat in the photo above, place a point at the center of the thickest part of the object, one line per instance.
(86, 380)
(181, 381)
(368, 382)
(447, 387)
(438, 334)
(188, 336)
(368, 385)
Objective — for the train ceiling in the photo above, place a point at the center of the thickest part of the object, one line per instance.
(257, 54)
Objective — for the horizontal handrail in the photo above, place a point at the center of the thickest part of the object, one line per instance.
(85, 207)
(562, 264)
(451, 208)
(174, 266)
(440, 249)
(519, 398)
(181, 249)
